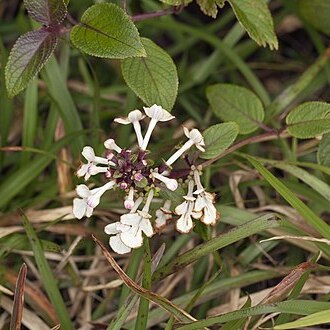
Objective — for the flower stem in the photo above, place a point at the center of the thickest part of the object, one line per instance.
(142, 318)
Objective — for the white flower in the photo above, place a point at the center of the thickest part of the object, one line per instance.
(133, 118)
(115, 241)
(195, 138)
(156, 113)
(129, 200)
(186, 211)
(163, 214)
(85, 205)
(205, 203)
(111, 145)
(90, 168)
(170, 184)
(139, 223)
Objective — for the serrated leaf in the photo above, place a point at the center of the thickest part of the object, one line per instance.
(257, 20)
(106, 31)
(218, 138)
(210, 7)
(27, 57)
(153, 78)
(323, 153)
(317, 13)
(47, 12)
(309, 120)
(238, 104)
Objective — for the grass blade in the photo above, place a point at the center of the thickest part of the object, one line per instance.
(316, 222)
(255, 226)
(17, 314)
(47, 276)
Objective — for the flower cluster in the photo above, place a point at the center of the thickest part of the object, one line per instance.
(133, 172)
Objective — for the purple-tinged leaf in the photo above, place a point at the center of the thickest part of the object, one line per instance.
(27, 57)
(47, 12)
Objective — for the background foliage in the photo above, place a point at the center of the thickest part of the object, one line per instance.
(266, 121)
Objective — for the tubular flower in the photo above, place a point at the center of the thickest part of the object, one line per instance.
(204, 202)
(91, 168)
(133, 173)
(85, 205)
(163, 214)
(186, 211)
(195, 138)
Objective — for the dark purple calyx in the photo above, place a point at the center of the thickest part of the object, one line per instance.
(131, 169)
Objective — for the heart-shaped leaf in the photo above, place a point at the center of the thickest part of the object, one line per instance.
(218, 138)
(47, 12)
(153, 78)
(309, 120)
(238, 104)
(106, 31)
(27, 57)
(257, 20)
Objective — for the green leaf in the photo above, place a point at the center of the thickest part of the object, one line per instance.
(152, 78)
(210, 7)
(238, 233)
(323, 153)
(238, 104)
(316, 222)
(257, 20)
(46, 276)
(106, 31)
(309, 120)
(27, 57)
(302, 307)
(218, 138)
(46, 12)
(321, 317)
(317, 13)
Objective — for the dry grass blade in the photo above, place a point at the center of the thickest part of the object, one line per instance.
(162, 302)
(303, 238)
(288, 282)
(17, 314)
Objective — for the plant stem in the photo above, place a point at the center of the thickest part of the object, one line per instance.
(253, 139)
(142, 318)
(164, 12)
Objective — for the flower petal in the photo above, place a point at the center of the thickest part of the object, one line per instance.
(131, 219)
(146, 227)
(83, 191)
(118, 245)
(88, 153)
(124, 121)
(79, 208)
(158, 113)
(181, 208)
(112, 228)
(132, 238)
(82, 170)
(184, 224)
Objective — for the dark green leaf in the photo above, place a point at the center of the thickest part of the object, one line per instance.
(106, 31)
(309, 120)
(238, 104)
(27, 57)
(153, 78)
(256, 18)
(317, 13)
(323, 153)
(218, 138)
(210, 7)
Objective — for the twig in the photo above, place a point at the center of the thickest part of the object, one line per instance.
(253, 139)
(164, 12)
